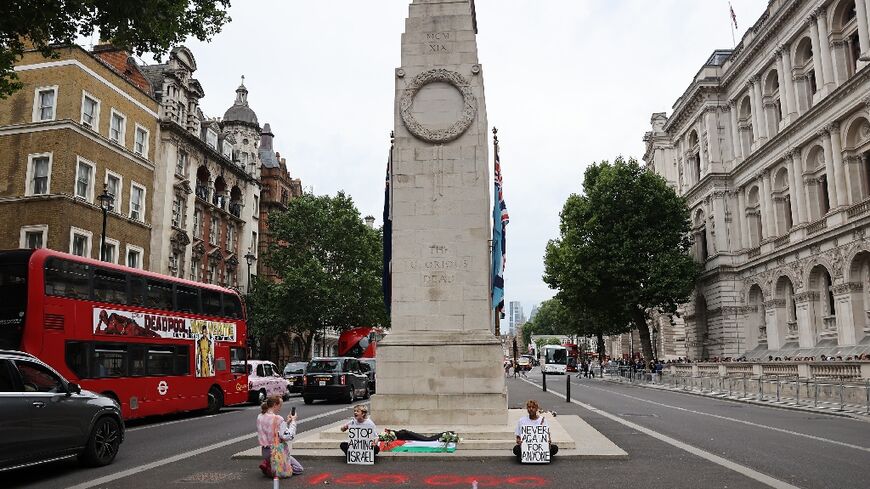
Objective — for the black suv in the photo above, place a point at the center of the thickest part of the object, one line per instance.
(44, 417)
(339, 378)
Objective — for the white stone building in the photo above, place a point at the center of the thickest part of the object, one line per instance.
(769, 144)
(208, 179)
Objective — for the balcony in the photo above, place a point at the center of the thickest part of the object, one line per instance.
(236, 209)
(753, 252)
(781, 241)
(859, 209)
(817, 226)
(220, 201)
(202, 191)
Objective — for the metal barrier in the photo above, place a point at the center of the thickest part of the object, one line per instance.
(787, 390)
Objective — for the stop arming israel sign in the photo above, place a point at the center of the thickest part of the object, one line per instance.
(535, 446)
(361, 446)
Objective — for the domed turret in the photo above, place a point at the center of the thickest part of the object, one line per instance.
(240, 112)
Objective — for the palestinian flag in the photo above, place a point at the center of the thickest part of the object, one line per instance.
(411, 446)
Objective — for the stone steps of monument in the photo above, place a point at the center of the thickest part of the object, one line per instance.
(479, 433)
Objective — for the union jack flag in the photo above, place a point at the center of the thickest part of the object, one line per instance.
(500, 220)
(733, 15)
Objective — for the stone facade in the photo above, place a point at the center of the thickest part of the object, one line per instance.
(440, 364)
(208, 174)
(81, 120)
(770, 146)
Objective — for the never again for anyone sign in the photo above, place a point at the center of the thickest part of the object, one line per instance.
(361, 446)
(535, 446)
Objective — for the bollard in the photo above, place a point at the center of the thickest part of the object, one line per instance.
(816, 389)
(760, 389)
(744, 385)
(544, 376)
(729, 386)
(567, 388)
(777, 389)
(797, 386)
(842, 402)
(867, 393)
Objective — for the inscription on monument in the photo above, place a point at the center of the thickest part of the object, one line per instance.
(438, 42)
(437, 279)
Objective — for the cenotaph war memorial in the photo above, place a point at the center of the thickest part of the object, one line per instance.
(440, 365)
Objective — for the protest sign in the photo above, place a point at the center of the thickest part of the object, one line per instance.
(361, 446)
(535, 444)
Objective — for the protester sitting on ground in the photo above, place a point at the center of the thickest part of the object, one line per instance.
(270, 425)
(360, 419)
(534, 418)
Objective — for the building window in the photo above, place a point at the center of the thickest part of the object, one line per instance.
(244, 159)
(194, 270)
(137, 202)
(227, 150)
(178, 212)
(85, 180)
(211, 139)
(285, 196)
(118, 127)
(33, 237)
(256, 206)
(38, 174)
(254, 241)
(114, 185)
(231, 238)
(110, 252)
(197, 224)
(140, 145)
(212, 272)
(134, 256)
(80, 242)
(45, 104)
(176, 264)
(213, 233)
(181, 164)
(90, 111)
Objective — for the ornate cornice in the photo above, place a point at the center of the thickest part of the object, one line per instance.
(847, 288)
(806, 296)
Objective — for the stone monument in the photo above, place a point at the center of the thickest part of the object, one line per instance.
(440, 365)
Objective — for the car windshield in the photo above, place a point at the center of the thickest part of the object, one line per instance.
(324, 366)
(294, 368)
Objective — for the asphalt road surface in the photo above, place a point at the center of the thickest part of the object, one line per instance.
(673, 440)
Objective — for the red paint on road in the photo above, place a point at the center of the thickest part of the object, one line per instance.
(439, 480)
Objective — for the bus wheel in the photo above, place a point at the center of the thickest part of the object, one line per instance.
(215, 401)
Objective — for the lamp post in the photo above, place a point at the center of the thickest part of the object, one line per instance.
(250, 258)
(106, 202)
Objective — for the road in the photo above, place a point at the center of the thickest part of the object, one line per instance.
(673, 440)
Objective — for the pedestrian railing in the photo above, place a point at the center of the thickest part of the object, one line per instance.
(822, 393)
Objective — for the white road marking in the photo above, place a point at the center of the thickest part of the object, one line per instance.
(728, 464)
(749, 423)
(146, 427)
(186, 455)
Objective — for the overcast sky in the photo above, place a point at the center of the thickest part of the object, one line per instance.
(568, 83)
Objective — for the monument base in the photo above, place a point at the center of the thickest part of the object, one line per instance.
(440, 378)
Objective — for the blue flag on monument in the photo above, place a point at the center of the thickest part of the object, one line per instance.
(499, 226)
(387, 277)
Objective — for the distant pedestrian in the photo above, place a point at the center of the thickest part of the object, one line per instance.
(271, 426)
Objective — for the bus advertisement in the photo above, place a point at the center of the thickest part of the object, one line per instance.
(359, 342)
(154, 343)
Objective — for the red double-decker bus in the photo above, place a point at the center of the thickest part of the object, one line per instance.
(359, 342)
(156, 344)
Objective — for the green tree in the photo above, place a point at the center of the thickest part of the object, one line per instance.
(142, 26)
(623, 249)
(329, 265)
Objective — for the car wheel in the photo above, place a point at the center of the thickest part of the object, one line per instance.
(215, 401)
(350, 396)
(286, 395)
(103, 443)
(261, 396)
(307, 400)
(367, 394)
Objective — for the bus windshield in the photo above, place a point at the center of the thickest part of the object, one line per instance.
(557, 356)
(13, 290)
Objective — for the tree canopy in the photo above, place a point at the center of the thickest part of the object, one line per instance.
(141, 26)
(329, 265)
(622, 250)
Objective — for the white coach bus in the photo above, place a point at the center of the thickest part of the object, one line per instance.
(555, 359)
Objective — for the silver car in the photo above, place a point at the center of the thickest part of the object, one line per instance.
(43, 417)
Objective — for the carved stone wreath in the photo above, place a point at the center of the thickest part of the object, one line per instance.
(438, 135)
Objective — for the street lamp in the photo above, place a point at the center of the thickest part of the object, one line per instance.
(250, 258)
(107, 200)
